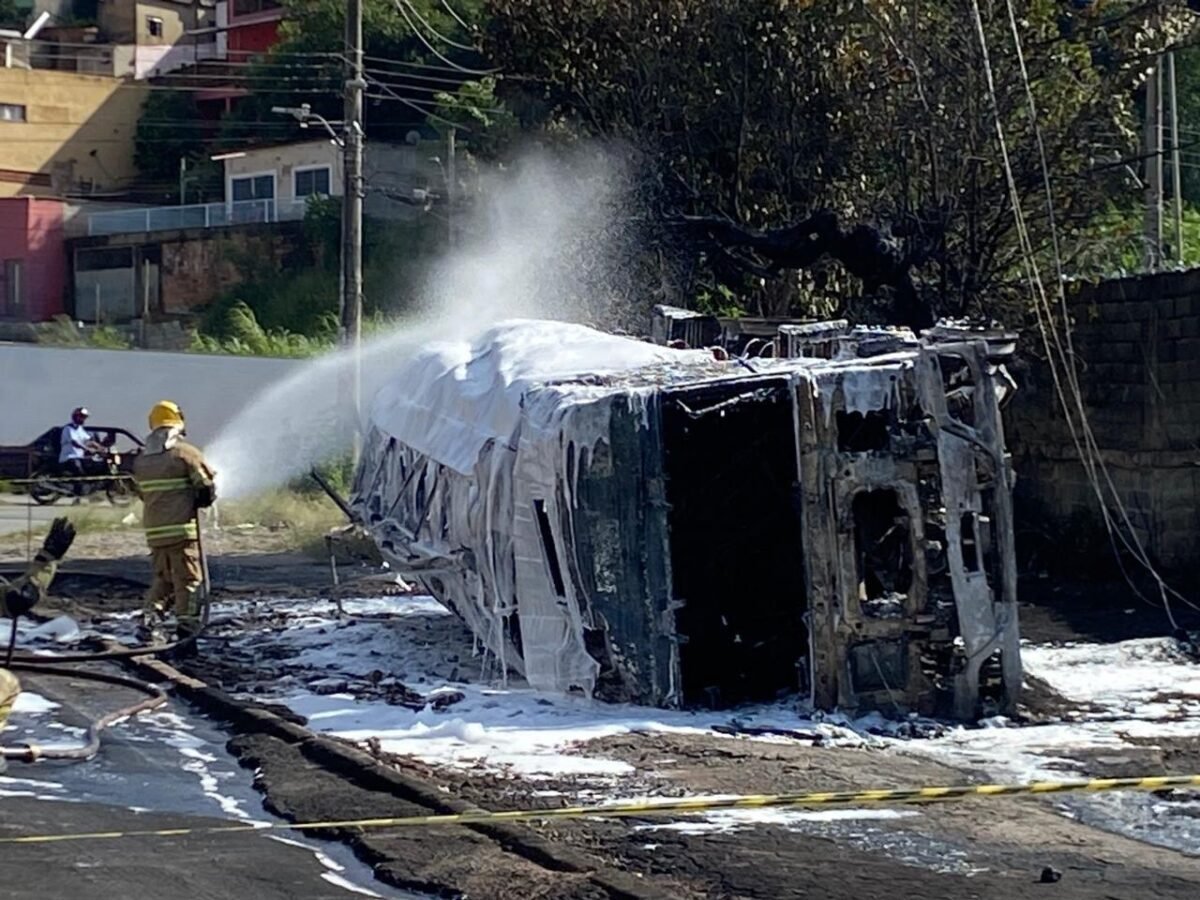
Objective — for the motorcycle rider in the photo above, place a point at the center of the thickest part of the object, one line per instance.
(75, 443)
(174, 481)
(20, 596)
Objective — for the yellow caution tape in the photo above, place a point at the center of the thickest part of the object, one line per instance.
(659, 806)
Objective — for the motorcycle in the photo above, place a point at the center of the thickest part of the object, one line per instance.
(104, 474)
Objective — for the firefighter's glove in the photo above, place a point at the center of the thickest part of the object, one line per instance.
(206, 495)
(21, 600)
(59, 540)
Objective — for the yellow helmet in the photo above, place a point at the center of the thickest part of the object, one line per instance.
(166, 414)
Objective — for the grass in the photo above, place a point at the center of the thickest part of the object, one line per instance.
(306, 517)
(297, 521)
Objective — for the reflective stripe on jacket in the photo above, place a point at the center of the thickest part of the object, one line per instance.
(167, 478)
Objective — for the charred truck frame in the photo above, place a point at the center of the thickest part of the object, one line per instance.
(658, 526)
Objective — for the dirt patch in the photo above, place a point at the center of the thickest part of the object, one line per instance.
(995, 848)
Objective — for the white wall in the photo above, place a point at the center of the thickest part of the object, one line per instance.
(39, 386)
(283, 161)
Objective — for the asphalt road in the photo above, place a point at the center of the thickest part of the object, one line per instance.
(167, 769)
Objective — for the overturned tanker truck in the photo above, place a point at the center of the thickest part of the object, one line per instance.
(639, 523)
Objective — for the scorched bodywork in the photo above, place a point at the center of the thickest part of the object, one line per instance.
(639, 523)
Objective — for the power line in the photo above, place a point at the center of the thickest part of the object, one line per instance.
(1088, 450)
(432, 49)
(437, 34)
(457, 17)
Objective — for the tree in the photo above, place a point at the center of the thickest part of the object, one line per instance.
(11, 16)
(170, 129)
(809, 153)
(401, 37)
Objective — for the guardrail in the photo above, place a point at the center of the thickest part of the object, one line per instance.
(200, 215)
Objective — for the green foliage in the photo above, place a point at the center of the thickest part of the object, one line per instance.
(11, 16)
(485, 124)
(236, 331)
(166, 133)
(1115, 243)
(306, 65)
(760, 113)
(339, 472)
(1187, 81)
(63, 332)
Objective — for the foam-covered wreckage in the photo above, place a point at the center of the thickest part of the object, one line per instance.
(625, 520)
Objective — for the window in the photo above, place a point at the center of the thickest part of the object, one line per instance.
(312, 181)
(252, 187)
(12, 112)
(154, 26)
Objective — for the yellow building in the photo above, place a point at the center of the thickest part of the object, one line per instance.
(64, 132)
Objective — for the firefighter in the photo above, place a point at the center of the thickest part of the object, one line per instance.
(22, 595)
(174, 482)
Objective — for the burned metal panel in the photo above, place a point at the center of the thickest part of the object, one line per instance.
(963, 398)
(904, 619)
(620, 557)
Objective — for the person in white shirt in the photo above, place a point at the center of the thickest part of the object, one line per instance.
(75, 443)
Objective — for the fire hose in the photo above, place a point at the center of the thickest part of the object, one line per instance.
(90, 745)
(53, 665)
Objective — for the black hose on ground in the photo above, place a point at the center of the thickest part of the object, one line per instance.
(128, 653)
(91, 742)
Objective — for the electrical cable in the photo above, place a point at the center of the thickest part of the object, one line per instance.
(437, 34)
(432, 49)
(457, 18)
(1051, 339)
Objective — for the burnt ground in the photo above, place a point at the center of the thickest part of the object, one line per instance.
(995, 848)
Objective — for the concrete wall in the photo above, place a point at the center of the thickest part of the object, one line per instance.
(1137, 342)
(78, 133)
(189, 268)
(39, 386)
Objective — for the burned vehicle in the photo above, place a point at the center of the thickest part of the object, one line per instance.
(633, 522)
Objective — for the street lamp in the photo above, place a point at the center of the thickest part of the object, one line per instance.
(304, 114)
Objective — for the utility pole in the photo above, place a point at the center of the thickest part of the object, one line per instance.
(1154, 168)
(1176, 175)
(352, 200)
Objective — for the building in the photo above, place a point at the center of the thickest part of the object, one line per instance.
(398, 178)
(638, 523)
(121, 38)
(65, 133)
(159, 33)
(33, 263)
(251, 27)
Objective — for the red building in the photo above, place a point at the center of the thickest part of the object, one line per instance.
(253, 27)
(33, 259)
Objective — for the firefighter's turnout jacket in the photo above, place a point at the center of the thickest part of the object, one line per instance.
(173, 480)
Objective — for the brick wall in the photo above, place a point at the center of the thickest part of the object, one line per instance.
(201, 267)
(1137, 345)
